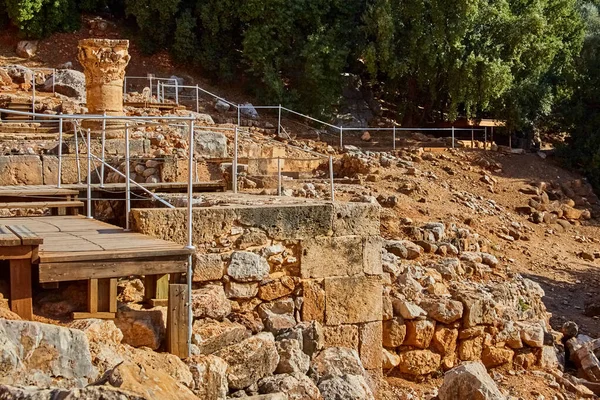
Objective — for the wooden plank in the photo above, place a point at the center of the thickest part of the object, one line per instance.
(177, 321)
(7, 238)
(62, 257)
(20, 288)
(35, 190)
(75, 271)
(16, 253)
(42, 204)
(26, 236)
(156, 287)
(97, 315)
(92, 296)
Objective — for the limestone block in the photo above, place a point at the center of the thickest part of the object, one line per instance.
(470, 349)
(237, 290)
(496, 356)
(291, 357)
(207, 267)
(372, 246)
(341, 336)
(20, 170)
(274, 289)
(277, 315)
(313, 306)
(370, 349)
(143, 327)
(296, 386)
(419, 333)
(444, 340)
(326, 257)
(289, 222)
(353, 300)
(69, 169)
(210, 302)
(211, 336)
(419, 362)
(356, 219)
(394, 332)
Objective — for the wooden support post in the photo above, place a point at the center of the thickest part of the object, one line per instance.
(92, 296)
(107, 295)
(102, 299)
(20, 288)
(177, 321)
(156, 289)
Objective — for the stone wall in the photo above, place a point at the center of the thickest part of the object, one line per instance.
(283, 264)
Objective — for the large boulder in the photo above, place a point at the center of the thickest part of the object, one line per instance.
(43, 355)
(210, 377)
(347, 387)
(69, 82)
(210, 144)
(250, 360)
(337, 361)
(297, 386)
(147, 382)
(26, 48)
(105, 341)
(88, 393)
(469, 381)
(19, 73)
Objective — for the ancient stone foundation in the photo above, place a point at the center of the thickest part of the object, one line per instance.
(285, 264)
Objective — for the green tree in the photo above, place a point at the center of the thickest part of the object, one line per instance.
(580, 116)
(39, 18)
(441, 58)
(155, 20)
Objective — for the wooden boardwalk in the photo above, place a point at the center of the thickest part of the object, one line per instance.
(77, 248)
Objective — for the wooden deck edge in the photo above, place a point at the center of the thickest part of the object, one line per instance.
(106, 256)
(76, 271)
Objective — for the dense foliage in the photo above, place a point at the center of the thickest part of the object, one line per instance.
(531, 62)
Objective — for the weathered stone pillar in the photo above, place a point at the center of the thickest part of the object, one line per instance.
(104, 62)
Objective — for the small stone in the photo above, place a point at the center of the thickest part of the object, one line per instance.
(390, 360)
(277, 315)
(408, 310)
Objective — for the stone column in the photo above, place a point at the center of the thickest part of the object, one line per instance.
(104, 62)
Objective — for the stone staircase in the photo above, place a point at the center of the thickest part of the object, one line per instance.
(17, 105)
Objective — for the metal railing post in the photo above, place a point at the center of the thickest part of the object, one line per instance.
(150, 79)
(472, 138)
(189, 233)
(60, 144)
(103, 150)
(197, 99)
(89, 175)
(331, 178)
(53, 82)
(77, 159)
(176, 92)
(341, 137)
(453, 136)
(33, 94)
(127, 179)
(238, 108)
(234, 166)
(124, 86)
(279, 122)
(394, 137)
(485, 137)
(278, 176)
